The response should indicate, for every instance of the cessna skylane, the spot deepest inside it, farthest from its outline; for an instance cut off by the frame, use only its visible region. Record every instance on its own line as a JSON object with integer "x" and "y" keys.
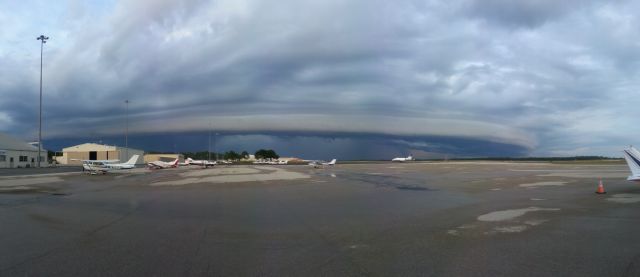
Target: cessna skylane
{"x": 103, "y": 166}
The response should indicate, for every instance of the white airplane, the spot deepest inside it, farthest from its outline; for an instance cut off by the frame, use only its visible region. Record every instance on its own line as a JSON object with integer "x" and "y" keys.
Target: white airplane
{"x": 103, "y": 166}
{"x": 318, "y": 164}
{"x": 633, "y": 161}
{"x": 162, "y": 165}
{"x": 94, "y": 167}
{"x": 131, "y": 163}
{"x": 204, "y": 163}
{"x": 410, "y": 158}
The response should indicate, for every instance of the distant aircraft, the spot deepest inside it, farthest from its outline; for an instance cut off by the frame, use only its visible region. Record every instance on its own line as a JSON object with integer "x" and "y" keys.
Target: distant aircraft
{"x": 319, "y": 164}
{"x": 633, "y": 160}
{"x": 162, "y": 165}
{"x": 204, "y": 163}
{"x": 103, "y": 166}
{"x": 410, "y": 158}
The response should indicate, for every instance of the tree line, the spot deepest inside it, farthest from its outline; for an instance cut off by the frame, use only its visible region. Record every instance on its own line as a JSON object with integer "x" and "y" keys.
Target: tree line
{"x": 232, "y": 155}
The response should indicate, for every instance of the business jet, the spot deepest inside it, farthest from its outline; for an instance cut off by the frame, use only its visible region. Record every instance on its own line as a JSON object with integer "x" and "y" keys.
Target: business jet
{"x": 410, "y": 158}
{"x": 632, "y": 156}
{"x": 162, "y": 165}
{"x": 318, "y": 164}
{"x": 205, "y": 163}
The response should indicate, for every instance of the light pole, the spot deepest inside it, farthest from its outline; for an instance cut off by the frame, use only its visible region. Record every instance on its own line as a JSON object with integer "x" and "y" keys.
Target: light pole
{"x": 214, "y": 146}
{"x": 126, "y": 130}
{"x": 209, "y": 148}
{"x": 42, "y": 40}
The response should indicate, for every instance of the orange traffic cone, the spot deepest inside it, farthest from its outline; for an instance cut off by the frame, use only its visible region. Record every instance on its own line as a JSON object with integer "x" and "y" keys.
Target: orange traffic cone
{"x": 600, "y": 189}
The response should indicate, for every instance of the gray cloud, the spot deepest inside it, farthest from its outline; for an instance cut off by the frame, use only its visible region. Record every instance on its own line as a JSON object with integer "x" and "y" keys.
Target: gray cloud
{"x": 524, "y": 13}
{"x": 550, "y": 77}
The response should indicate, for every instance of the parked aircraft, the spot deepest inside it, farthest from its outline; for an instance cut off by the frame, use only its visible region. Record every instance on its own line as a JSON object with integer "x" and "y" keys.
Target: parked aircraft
{"x": 205, "y": 163}
{"x": 131, "y": 163}
{"x": 319, "y": 164}
{"x": 632, "y": 156}
{"x": 94, "y": 167}
{"x": 103, "y": 166}
{"x": 410, "y": 158}
{"x": 162, "y": 165}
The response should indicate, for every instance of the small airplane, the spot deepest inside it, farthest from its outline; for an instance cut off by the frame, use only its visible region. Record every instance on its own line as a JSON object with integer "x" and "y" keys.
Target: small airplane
{"x": 131, "y": 163}
{"x": 410, "y": 158}
{"x": 319, "y": 164}
{"x": 94, "y": 167}
{"x": 632, "y": 156}
{"x": 205, "y": 163}
{"x": 103, "y": 166}
{"x": 162, "y": 165}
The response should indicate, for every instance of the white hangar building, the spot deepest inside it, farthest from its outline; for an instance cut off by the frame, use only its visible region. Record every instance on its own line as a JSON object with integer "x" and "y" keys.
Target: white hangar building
{"x": 17, "y": 153}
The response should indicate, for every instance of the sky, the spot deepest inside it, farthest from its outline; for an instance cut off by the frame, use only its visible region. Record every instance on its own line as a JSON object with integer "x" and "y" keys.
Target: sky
{"x": 355, "y": 79}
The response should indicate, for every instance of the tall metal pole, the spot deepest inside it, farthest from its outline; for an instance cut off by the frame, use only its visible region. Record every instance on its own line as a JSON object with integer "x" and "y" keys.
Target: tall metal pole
{"x": 126, "y": 130}
{"x": 43, "y": 40}
{"x": 215, "y": 142}
{"x": 209, "y": 149}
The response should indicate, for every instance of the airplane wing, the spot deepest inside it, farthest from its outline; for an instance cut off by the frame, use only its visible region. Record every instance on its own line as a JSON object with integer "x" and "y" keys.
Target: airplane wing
{"x": 107, "y": 161}
{"x": 633, "y": 161}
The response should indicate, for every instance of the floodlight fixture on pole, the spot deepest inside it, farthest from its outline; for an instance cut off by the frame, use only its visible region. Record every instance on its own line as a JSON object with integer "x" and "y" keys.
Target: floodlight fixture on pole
{"x": 43, "y": 39}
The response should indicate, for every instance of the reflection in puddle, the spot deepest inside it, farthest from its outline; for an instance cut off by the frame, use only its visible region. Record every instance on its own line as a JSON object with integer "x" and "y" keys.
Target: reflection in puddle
{"x": 411, "y": 188}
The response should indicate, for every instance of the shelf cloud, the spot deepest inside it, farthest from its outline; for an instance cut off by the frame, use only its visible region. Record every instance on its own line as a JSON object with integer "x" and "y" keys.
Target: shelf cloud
{"x": 545, "y": 77}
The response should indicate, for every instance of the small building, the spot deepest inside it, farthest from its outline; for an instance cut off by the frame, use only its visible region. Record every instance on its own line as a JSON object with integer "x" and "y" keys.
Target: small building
{"x": 74, "y": 155}
{"x": 163, "y": 157}
{"x": 16, "y": 153}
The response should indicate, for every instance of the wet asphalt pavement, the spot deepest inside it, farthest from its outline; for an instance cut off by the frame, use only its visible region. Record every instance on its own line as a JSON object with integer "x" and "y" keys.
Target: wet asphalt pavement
{"x": 378, "y": 220}
{"x": 43, "y": 170}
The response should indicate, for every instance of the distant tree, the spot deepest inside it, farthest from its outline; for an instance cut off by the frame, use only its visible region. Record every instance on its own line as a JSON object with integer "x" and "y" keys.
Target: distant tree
{"x": 260, "y": 154}
{"x": 272, "y": 154}
{"x": 231, "y": 155}
{"x": 244, "y": 155}
{"x": 266, "y": 154}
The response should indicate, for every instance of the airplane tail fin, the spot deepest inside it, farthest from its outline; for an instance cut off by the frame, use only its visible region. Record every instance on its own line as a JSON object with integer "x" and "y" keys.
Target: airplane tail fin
{"x": 632, "y": 156}
{"x": 175, "y": 163}
{"x": 332, "y": 162}
{"x": 133, "y": 160}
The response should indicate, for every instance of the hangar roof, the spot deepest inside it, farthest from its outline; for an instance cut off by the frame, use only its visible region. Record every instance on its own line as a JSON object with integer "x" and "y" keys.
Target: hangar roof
{"x": 86, "y": 147}
{"x": 8, "y": 142}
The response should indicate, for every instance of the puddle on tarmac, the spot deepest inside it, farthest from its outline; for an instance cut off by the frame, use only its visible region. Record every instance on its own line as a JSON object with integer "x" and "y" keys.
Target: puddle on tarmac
{"x": 511, "y": 214}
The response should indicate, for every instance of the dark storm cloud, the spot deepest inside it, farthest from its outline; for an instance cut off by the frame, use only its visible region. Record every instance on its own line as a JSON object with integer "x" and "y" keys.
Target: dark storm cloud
{"x": 543, "y": 76}
{"x": 309, "y": 146}
{"x": 523, "y": 13}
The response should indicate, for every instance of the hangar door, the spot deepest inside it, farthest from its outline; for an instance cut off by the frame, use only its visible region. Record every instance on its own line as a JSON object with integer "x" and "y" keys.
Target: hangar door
{"x": 93, "y": 155}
